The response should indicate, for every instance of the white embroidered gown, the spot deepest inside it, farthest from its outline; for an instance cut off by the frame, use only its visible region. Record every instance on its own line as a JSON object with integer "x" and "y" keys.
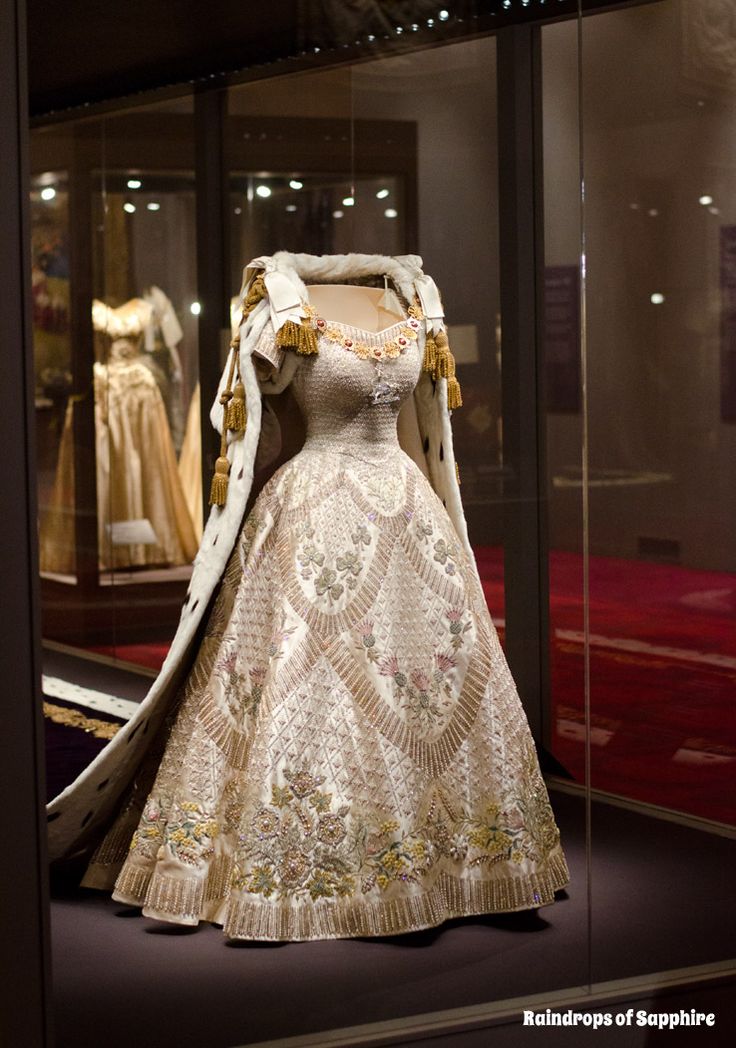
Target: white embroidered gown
{"x": 349, "y": 756}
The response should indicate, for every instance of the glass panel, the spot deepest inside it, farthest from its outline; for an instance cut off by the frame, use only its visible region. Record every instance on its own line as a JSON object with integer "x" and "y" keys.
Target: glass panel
{"x": 563, "y": 398}
{"x": 144, "y": 280}
{"x": 53, "y": 361}
{"x": 115, "y": 336}
{"x": 663, "y": 438}
{"x": 563, "y": 413}
{"x": 658, "y": 96}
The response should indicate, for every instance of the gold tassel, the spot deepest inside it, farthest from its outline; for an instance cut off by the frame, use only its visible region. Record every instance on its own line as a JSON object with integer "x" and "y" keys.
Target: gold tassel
{"x": 233, "y": 400}
{"x": 218, "y": 491}
{"x": 302, "y": 338}
{"x": 454, "y": 395}
{"x": 457, "y": 474}
{"x": 443, "y": 367}
{"x": 440, "y": 363}
{"x": 307, "y": 340}
{"x": 430, "y": 354}
{"x": 236, "y": 414}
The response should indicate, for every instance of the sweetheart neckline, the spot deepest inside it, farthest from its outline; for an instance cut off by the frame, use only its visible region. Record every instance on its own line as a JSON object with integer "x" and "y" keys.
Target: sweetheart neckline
{"x": 362, "y": 331}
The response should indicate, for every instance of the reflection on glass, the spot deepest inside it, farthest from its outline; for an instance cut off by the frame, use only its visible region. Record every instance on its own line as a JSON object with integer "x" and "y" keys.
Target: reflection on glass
{"x": 661, "y": 225}
{"x": 52, "y": 360}
{"x": 316, "y": 213}
{"x": 117, "y": 378}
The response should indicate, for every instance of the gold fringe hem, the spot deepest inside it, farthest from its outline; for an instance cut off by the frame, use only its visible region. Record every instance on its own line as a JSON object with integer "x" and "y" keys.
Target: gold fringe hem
{"x": 132, "y": 884}
{"x": 186, "y": 899}
{"x": 449, "y": 897}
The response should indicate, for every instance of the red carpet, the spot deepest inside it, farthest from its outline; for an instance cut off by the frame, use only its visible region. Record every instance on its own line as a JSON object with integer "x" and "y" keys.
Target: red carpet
{"x": 663, "y": 676}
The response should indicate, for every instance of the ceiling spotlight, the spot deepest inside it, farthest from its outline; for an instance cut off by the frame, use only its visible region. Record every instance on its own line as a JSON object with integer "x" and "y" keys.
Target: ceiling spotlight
{"x": 263, "y": 191}
{"x": 714, "y": 210}
{"x": 348, "y": 201}
{"x": 443, "y": 15}
{"x": 382, "y": 194}
{"x": 657, "y": 298}
{"x": 337, "y": 214}
{"x": 48, "y": 193}
{"x": 238, "y": 210}
{"x": 294, "y": 183}
{"x": 705, "y": 200}
{"x": 153, "y": 205}
{"x": 390, "y": 212}
{"x": 291, "y": 208}
{"x": 195, "y": 309}
{"x": 127, "y": 206}
{"x": 652, "y": 212}
{"x": 134, "y": 183}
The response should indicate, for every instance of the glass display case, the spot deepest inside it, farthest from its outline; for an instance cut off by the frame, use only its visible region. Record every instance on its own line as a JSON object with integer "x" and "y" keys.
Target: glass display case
{"x": 574, "y": 204}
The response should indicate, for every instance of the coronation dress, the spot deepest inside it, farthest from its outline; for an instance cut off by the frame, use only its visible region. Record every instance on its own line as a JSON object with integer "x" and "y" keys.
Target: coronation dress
{"x": 348, "y": 755}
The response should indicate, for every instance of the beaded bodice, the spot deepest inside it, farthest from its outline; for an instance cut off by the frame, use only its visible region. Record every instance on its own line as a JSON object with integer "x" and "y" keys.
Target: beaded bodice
{"x": 351, "y": 402}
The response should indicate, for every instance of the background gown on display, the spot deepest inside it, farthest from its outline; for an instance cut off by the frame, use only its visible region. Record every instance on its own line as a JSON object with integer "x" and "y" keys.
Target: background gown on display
{"x": 138, "y": 481}
{"x": 343, "y": 751}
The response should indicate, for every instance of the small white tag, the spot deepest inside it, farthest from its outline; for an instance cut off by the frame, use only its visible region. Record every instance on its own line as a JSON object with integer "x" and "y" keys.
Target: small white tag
{"x": 132, "y": 533}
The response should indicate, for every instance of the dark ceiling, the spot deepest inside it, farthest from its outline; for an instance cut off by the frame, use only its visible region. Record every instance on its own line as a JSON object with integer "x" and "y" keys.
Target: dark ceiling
{"x": 86, "y": 51}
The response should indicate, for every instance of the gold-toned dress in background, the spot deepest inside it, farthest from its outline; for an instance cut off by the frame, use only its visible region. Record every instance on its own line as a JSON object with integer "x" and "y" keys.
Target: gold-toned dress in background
{"x": 137, "y": 473}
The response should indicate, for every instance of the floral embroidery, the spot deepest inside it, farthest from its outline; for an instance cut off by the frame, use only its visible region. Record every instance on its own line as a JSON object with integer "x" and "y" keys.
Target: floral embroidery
{"x": 331, "y": 578}
{"x": 304, "y": 844}
{"x": 361, "y": 536}
{"x": 368, "y": 639}
{"x": 300, "y": 847}
{"x": 445, "y": 554}
{"x": 310, "y": 556}
{"x": 244, "y": 691}
{"x": 188, "y": 832}
{"x": 424, "y": 529}
{"x": 403, "y": 333}
{"x": 426, "y": 696}
{"x": 148, "y": 837}
{"x": 349, "y": 566}
{"x": 326, "y": 582}
{"x": 457, "y": 627}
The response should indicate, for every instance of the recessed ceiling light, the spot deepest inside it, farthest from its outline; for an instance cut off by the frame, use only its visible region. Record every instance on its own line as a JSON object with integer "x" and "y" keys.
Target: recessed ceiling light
{"x": 390, "y": 212}
{"x": 195, "y": 309}
{"x": 153, "y": 205}
{"x": 263, "y": 191}
{"x": 48, "y": 193}
{"x": 296, "y": 184}
{"x": 127, "y": 206}
{"x": 134, "y": 183}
